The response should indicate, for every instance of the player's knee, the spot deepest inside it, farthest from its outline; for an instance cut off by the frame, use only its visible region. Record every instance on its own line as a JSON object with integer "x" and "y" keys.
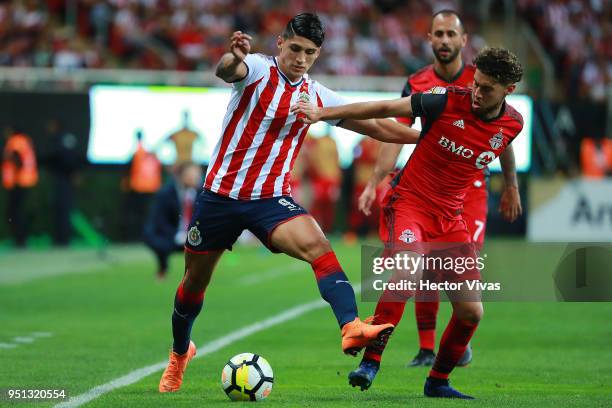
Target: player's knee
{"x": 198, "y": 271}
{"x": 472, "y": 313}
{"x": 194, "y": 283}
{"x": 315, "y": 247}
{"x": 195, "y": 280}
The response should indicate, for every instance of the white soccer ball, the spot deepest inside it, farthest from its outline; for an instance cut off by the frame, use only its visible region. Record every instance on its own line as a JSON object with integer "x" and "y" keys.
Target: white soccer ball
{"x": 247, "y": 377}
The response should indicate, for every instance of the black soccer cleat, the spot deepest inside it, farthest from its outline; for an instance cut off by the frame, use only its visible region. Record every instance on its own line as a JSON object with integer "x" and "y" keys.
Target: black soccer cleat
{"x": 466, "y": 358}
{"x": 424, "y": 358}
{"x": 364, "y": 375}
{"x": 438, "y": 388}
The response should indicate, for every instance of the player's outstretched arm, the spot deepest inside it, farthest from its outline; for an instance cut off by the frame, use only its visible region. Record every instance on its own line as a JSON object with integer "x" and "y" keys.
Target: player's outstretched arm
{"x": 385, "y": 163}
{"x": 362, "y": 110}
{"x": 510, "y": 203}
{"x": 231, "y": 66}
{"x": 384, "y": 130}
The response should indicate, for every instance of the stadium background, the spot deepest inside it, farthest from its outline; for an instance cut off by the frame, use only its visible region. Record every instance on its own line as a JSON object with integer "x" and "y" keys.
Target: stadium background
{"x": 52, "y": 52}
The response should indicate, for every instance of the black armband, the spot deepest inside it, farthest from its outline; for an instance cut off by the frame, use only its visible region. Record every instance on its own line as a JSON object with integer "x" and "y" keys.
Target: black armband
{"x": 428, "y": 105}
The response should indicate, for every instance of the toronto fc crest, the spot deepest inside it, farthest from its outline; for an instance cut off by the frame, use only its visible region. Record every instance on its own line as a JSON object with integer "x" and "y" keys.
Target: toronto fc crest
{"x": 407, "y": 236}
{"x": 497, "y": 140}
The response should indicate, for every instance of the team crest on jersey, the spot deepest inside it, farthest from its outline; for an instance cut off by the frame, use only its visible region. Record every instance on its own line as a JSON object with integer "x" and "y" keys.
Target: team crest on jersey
{"x": 497, "y": 140}
{"x": 304, "y": 97}
{"x": 407, "y": 236}
{"x": 437, "y": 90}
{"x": 194, "y": 237}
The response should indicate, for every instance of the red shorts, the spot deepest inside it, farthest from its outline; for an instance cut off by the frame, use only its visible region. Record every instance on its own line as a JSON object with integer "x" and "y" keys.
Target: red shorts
{"x": 404, "y": 220}
{"x": 475, "y": 209}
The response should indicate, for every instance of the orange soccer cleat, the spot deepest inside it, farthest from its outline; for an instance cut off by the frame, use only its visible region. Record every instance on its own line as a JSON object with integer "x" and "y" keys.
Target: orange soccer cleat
{"x": 359, "y": 334}
{"x": 172, "y": 378}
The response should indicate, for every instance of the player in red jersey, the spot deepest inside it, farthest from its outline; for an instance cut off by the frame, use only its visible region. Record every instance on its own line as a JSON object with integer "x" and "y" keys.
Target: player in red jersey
{"x": 447, "y": 39}
{"x": 247, "y": 185}
{"x": 425, "y": 203}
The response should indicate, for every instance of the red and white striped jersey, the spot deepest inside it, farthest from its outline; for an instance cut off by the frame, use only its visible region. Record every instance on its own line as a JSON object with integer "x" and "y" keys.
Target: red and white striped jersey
{"x": 260, "y": 138}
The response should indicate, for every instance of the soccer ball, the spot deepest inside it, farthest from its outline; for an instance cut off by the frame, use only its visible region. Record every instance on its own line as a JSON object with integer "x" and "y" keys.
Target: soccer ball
{"x": 247, "y": 377}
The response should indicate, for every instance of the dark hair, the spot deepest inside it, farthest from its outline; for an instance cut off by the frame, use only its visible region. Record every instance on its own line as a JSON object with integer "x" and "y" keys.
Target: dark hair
{"x": 306, "y": 25}
{"x": 446, "y": 13}
{"x": 500, "y": 64}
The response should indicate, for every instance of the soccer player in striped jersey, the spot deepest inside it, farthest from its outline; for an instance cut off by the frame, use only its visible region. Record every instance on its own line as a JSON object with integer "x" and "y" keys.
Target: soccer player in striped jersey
{"x": 424, "y": 205}
{"x": 247, "y": 184}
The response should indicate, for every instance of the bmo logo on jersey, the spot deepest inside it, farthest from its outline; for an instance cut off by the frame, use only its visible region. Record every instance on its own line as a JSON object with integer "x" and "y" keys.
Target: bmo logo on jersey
{"x": 451, "y": 146}
{"x": 482, "y": 160}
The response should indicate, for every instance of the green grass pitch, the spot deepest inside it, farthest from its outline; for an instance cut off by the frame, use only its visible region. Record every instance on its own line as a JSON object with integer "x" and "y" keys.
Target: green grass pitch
{"x": 106, "y": 316}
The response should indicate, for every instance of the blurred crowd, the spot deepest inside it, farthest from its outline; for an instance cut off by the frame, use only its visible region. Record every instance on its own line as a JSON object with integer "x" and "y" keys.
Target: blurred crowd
{"x": 363, "y": 36}
{"x": 578, "y": 36}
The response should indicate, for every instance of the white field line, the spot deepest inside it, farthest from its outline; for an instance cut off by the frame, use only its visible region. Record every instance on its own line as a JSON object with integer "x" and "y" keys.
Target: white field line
{"x": 7, "y": 345}
{"x": 209, "y": 348}
{"x": 22, "y": 340}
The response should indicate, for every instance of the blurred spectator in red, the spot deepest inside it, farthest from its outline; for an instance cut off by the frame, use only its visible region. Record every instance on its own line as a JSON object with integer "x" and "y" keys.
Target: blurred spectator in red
{"x": 191, "y": 45}
{"x": 365, "y": 155}
{"x": 19, "y": 176}
{"x": 596, "y": 157}
{"x": 145, "y": 179}
{"x": 323, "y": 170}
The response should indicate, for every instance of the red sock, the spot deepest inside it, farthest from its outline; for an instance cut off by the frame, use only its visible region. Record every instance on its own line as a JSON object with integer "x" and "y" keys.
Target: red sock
{"x": 187, "y": 306}
{"x": 452, "y": 346}
{"x": 426, "y": 314}
{"x": 184, "y": 296}
{"x": 386, "y": 312}
{"x": 335, "y": 288}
